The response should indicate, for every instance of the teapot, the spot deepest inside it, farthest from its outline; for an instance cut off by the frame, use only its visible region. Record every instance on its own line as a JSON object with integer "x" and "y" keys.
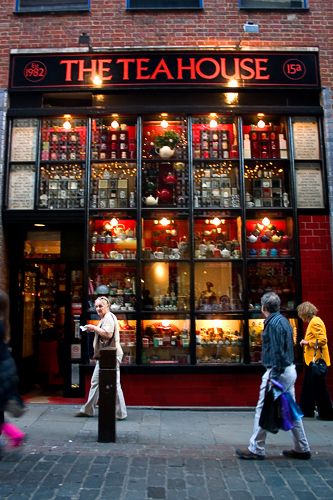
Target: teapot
{"x": 165, "y": 194}
{"x": 150, "y": 200}
{"x": 170, "y": 178}
{"x": 165, "y": 152}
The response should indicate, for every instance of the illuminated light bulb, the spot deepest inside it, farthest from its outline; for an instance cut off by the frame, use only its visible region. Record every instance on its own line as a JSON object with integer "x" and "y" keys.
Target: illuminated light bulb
{"x": 164, "y": 124}
{"x": 164, "y": 221}
{"x": 207, "y": 221}
{"x": 266, "y": 221}
{"x": 115, "y": 124}
{"x": 114, "y": 222}
{"x": 261, "y": 123}
{"x": 165, "y": 322}
{"x": 155, "y": 222}
{"x": 213, "y": 123}
{"x": 216, "y": 221}
{"x": 97, "y": 80}
{"x": 222, "y": 221}
{"x": 67, "y": 124}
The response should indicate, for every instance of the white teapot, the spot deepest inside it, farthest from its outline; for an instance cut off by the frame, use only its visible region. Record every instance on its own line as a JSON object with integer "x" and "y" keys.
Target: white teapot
{"x": 165, "y": 152}
{"x": 150, "y": 200}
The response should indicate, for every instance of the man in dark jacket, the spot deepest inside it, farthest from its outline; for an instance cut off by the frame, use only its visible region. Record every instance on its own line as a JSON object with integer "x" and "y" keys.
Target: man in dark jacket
{"x": 278, "y": 359}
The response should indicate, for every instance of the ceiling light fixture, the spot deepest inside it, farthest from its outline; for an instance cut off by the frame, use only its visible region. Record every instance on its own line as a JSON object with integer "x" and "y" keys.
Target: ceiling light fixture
{"x": 261, "y": 123}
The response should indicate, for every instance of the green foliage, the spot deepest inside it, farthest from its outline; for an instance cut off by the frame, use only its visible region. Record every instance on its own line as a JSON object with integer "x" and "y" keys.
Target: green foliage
{"x": 169, "y": 138}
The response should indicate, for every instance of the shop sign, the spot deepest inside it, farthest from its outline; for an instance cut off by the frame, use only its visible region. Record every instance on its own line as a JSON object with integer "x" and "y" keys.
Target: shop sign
{"x": 161, "y": 70}
{"x": 309, "y": 186}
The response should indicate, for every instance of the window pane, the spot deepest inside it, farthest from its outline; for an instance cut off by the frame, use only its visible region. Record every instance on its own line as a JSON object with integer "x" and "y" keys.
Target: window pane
{"x": 164, "y": 4}
{"x": 166, "y": 341}
{"x": 273, "y": 4}
{"x": 51, "y": 5}
{"x": 219, "y": 341}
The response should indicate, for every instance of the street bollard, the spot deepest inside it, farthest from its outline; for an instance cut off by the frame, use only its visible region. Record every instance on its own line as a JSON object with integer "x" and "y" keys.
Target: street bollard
{"x": 107, "y": 395}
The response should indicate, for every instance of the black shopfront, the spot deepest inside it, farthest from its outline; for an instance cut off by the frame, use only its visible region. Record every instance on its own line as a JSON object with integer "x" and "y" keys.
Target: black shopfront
{"x": 169, "y": 182}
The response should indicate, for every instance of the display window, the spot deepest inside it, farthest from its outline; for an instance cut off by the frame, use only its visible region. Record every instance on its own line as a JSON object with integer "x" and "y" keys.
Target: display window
{"x": 219, "y": 341}
{"x": 217, "y": 237}
{"x": 165, "y": 237}
{"x": 218, "y": 286}
{"x": 216, "y": 173}
{"x": 256, "y": 327}
{"x": 117, "y": 281}
{"x": 270, "y": 237}
{"x": 62, "y": 163}
{"x": 166, "y": 286}
{"x": 166, "y": 341}
{"x": 112, "y": 237}
{"x": 269, "y": 275}
{"x": 165, "y": 162}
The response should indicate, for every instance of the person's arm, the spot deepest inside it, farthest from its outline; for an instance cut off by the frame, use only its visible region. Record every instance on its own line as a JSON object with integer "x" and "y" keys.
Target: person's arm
{"x": 319, "y": 332}
{"x": 105, "y": 331}
{"x": 280, "y": 349}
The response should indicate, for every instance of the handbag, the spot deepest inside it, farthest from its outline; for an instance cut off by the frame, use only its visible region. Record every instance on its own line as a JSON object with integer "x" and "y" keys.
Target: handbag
{"x": 270, "y": 416}
{"x": 318, "y": 366}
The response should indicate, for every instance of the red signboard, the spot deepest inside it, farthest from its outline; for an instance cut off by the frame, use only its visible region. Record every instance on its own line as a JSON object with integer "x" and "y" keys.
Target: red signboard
{"x": 164, "y": 69}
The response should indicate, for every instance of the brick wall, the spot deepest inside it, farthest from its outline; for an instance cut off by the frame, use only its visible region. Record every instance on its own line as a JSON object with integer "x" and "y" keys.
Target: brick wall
{"x": 316, "y": 269}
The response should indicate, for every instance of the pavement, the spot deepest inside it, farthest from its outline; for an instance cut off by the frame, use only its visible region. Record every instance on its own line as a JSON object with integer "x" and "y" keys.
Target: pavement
{"x": 172, "y": 454}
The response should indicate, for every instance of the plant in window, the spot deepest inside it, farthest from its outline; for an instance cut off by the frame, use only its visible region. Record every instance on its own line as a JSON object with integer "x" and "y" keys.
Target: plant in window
{"x": 166, "y": 143}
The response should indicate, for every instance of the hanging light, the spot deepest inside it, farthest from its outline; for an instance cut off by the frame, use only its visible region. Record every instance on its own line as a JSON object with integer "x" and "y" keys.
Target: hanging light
{"x": 114, "y": 222}
{"x": 164, "y": 221}
{"x": 67, "y": 124}
{"x": 261, "y": 123}
{"x": 213, "y": 122}
{"x": 164, "y": 123}
{"x": 216, "y": 221}
{"x": 115, "y": 123}
{"x": 266, "y": 221}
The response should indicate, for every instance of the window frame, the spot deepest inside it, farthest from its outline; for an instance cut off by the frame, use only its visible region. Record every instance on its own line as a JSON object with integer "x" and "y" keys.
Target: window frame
{"x": 199, "y": 6}
{"x": 46, "y": 7}
{"x": 304, "y": 7}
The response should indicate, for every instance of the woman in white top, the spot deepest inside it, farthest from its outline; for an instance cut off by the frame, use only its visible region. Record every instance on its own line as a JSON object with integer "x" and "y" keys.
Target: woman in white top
{"x": 104, "y": 331}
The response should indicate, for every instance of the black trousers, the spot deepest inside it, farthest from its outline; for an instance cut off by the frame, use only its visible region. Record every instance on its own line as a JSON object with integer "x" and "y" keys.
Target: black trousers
{"x": 315, "y": 394}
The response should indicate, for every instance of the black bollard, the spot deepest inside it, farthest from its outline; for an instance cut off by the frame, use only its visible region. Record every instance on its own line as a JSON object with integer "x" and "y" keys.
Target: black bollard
{"x": 107, "y": 395}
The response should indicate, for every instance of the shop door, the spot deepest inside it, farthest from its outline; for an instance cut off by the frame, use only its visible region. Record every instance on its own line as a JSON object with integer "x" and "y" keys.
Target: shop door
{"x": 46, "y": 299}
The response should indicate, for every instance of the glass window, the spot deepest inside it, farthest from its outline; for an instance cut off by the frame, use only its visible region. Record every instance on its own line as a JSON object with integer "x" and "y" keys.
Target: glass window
{"x": 218, "y": 286}
{"x": 164, "y": 4}
{"x": 165, "y": 166}
{"x": 273, "y": 4}
{"x": 256, "y": 327}
{"x": 115, "y": 280}
{"x": 62, "y": 166}
{"x": 270, "y": 237}
{"x": 166, "y": 286}
{"x": 271, "y": 275}
{"x": 52, "y": 5}
{"x": 166, "y": 341}
{"x": 112, "y": 237}
{"x": 219, "y": 341}
{"x": 165, "y": 237}
{"x": 42, "y": 244}
{"x": 216, "y": 173}
{"x": 217, "y": 237}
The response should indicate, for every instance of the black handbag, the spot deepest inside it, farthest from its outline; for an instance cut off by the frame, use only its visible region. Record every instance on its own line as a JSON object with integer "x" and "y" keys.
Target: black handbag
{"x": 318, "y": 366}
{"x": 270, "y": 417}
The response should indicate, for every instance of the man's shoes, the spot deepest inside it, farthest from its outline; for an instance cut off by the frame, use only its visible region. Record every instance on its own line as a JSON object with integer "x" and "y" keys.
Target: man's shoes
{"x": 82, "y": 414}
{"x": 248, "y": 455}
{"x": 300, "y": 455}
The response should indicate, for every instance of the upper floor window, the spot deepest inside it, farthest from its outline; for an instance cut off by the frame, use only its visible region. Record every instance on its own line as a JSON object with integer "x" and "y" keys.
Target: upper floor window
{"x": 163, "y": 4}
{"x": 273, "y": 4}
{"x": 52, "y": 5}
